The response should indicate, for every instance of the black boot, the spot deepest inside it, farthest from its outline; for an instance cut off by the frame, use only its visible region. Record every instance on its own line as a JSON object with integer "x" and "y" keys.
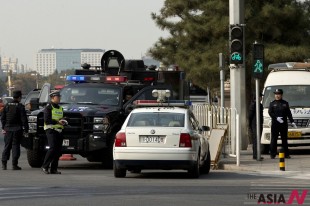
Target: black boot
{"x": 15, "y": 165}
{"x": 4, "y": 165}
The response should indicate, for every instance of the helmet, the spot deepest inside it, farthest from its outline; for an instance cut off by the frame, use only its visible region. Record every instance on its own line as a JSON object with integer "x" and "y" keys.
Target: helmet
{"x": 55, "y": 93}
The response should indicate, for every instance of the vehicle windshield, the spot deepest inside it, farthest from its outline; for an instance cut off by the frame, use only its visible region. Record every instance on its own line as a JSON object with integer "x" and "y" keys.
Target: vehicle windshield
{"x": 295, "y": 95}
{"x": 91, "y": 95}
{"x": 159, "y": 119}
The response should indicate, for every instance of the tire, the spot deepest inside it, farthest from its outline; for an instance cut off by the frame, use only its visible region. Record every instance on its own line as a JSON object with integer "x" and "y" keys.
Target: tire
{"x": 205, "y": 169}
{"x": 95, "y": 157}
{"x": 194, "y": 172}
{"x": 35, "y": 158}
{"x": 264, "y": 148}
{"x": 136, "y": 171}
{"x": 119, "y": 172}
{"x": 107, "y": 161}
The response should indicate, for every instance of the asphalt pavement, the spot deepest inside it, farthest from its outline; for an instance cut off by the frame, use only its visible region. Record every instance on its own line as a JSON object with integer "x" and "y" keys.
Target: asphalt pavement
{"x": 299, "y": 161}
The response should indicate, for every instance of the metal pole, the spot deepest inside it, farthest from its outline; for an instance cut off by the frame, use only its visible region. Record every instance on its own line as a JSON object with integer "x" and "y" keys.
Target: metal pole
{"x": 237, "y": 140}
{"x": 257, "y": 118}
{"x": 222, "y": 74}
{"x": 237, "y": 77}
{"x": 222, "y": 78}
{"x": 37, "y": 80}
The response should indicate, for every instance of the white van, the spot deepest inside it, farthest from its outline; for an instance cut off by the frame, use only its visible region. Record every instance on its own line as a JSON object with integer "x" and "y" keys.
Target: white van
{"x": 294, "y": 79}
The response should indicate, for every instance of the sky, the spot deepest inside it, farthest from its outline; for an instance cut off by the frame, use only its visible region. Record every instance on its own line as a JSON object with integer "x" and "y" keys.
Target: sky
{"x": 124, "y": 25}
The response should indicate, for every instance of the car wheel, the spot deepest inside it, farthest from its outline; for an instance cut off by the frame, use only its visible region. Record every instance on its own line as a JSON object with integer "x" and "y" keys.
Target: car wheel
{"x": 107, "y": 161}
{"x": 136, "y": 171}
{"x": 205, "y": 169}
{"x": 35, "y": 158}
{"x": 118, "y": 172}
{"x": 194, "y": 171}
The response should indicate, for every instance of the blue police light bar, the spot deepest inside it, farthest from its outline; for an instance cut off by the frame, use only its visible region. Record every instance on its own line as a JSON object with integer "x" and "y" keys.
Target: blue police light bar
{"x": 76, "y": 78}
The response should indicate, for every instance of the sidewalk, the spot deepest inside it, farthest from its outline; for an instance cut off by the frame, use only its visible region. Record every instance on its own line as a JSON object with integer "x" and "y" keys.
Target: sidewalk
{"x": 300, "y": 161}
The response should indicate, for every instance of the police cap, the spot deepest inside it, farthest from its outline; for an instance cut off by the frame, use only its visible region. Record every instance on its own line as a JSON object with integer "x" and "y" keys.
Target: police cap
{"x": 278, "y": 91}
{"x": 17, "y": 94}
{"x": 55, "y": 93}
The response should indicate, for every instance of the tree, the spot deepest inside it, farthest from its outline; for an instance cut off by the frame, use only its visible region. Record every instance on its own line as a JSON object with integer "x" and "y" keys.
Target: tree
{"x": 199, "y": 31}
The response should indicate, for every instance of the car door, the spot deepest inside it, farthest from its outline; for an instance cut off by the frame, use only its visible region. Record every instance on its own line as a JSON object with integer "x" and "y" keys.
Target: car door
{"x": 44, "y": 96}
{"x": 197, "y": 132}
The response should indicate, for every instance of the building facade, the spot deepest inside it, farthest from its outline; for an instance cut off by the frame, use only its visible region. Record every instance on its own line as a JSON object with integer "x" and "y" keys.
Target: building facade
{"x": 47, "y": 61}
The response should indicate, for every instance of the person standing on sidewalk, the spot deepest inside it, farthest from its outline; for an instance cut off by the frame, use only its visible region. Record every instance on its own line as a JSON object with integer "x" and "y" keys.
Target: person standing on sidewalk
{"x": 53, "y": 126}
{"x": 253, "y": 125}
{"x": 14, "y": 124}
{"x": 279, "y": 111}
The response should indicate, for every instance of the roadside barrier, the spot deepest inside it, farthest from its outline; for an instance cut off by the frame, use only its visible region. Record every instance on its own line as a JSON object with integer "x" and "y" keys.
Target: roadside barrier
{"x": 67, "y": 157}
{"x": 281, "y": 160}
{"x": 220, "y": 117}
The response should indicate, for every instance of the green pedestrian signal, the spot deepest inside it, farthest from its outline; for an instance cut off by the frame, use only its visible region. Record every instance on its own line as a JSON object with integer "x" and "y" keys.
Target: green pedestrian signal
{"x": 258, "y": 61}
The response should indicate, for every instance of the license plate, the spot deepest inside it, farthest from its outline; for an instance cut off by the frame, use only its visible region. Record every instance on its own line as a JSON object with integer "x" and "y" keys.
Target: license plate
{"x": 65, "y": 142}
{"x": 151, "y": 139}
{"x": 294, "y": 134}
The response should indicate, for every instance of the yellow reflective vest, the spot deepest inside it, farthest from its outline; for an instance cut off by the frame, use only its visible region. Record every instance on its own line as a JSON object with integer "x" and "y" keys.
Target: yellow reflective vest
{"x": 57, "y": 114}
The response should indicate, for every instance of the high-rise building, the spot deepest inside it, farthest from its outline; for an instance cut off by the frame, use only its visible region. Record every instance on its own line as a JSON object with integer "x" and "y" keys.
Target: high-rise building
{"x": 8, "y": 63}
{"x": 50, "y": 60}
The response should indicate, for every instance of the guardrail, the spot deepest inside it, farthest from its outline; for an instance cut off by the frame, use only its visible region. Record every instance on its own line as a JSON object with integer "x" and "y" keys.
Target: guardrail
{"x": 218, "y": 117}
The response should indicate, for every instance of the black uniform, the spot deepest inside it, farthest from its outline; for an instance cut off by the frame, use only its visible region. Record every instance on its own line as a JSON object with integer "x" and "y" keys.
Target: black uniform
{"x": 252, "y": 124}
{"x": 14, "y": 123}
{"x": 279, "y": 108}
{"x": 54, "y": 139}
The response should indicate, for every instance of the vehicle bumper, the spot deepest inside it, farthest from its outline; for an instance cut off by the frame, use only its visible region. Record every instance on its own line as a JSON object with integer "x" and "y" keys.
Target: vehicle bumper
{"x": 151, "y": 158}
{"x": 293, "y": 141}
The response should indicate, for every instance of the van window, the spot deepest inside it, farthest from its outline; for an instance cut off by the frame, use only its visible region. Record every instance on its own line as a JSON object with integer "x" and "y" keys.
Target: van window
{"x": 295, "y": 95}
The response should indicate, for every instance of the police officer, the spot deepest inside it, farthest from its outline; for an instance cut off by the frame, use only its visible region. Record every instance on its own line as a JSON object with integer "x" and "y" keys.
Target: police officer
{"x": 252, "y": 124}
{"x": 279, "y": 111}
{"x": 14, "y": 123}
{"x": 53, "y": 126}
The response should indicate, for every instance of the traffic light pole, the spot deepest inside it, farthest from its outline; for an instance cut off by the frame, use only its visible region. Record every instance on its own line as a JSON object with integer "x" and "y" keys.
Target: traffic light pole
{"x": 237, "y": 87}
{"x": 258, "y": 127}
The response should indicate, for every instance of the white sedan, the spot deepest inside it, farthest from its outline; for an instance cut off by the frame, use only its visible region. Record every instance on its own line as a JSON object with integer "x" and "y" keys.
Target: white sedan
{"x": 165, "y": 137}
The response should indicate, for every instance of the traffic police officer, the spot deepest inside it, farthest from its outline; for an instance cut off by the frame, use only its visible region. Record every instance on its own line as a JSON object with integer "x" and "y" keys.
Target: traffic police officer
{"x": 279, "y": 111}
{"x": 14, "y": 123}
{"x": 53, "y": 126}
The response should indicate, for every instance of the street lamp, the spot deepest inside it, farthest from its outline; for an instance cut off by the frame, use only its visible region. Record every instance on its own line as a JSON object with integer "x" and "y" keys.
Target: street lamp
{"x": 64, "y": 77}
{"x": 37, "y": 79}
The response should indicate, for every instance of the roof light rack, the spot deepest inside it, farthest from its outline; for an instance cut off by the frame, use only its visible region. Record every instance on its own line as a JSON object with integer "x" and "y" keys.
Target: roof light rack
{"x": 155, "y": 103}
{"x": 290, "y": 66}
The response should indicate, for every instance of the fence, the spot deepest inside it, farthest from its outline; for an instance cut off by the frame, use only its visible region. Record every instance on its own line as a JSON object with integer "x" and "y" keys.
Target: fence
{"x": 214, "y": 116}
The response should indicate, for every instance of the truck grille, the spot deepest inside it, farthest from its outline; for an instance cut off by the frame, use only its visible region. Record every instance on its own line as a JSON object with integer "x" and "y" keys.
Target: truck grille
{"x": 301, "y": 122}
{"x": 78, "y": 127}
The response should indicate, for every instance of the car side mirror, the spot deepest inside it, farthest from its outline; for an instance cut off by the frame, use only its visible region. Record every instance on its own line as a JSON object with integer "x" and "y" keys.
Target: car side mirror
{"x": 205, "y": 128}
{"x": 129, "y": 108}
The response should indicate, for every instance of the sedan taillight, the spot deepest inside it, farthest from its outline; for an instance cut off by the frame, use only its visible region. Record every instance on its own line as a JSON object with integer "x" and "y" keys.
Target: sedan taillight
{"x": 120, "y": 139}
{"x": 185, "y": 140}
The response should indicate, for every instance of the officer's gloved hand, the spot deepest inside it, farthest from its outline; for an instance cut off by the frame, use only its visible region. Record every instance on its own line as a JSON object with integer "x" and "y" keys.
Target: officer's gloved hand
{"x": 280, "y": 120}
{"x": 63, "y": 122}
{"x": 294, "y": 125}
